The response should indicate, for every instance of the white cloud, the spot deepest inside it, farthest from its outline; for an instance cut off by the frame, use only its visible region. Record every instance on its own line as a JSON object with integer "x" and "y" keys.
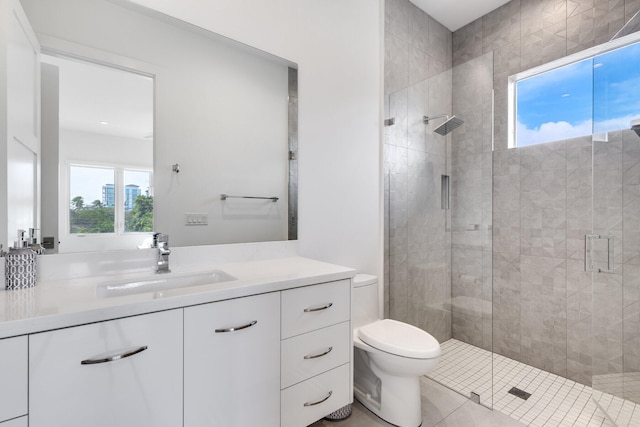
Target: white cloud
{"x": 557, "y": 131}
{"x": 616, "y": 123}
{"x": 552, "y": 131}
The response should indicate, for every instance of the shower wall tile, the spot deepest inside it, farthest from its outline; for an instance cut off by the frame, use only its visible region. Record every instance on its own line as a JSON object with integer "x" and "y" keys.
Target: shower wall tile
{"x": 543, "y": 313}
{"x": 419, "y": 65}
{"x": 419, "y": 26}
{"x": 429, "y": 292}
{"x": 506, "y": 305}
{"x": 579, "y": 310}
{"x": 467, "y": 42}
{"x": 396, "y": 19}
{"x": 418, "y": 100}
{"x": 501, "y": 26}
{"x": 467, "y": 302}
{"x": 631, "y": 7}
{"x": 396, "y": 134}
{"x": 607, "y": 325}
{"x": 543, "y": 200}
{"x": 579, "y": 198}
{"x": 580, "y": 31}
{"x": 439, "y": 103}
{"x": 609, "y": 18}
{"x": 440, "y": 42}
{"x": 576, "y": 7}
{"x": 396, "y": 63}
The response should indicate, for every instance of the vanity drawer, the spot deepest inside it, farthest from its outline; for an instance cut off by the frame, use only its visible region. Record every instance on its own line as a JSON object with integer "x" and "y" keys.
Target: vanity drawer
{"x": 314, "y": 307}
{"x": 102, "y": 375}
{"x": 313, "y": 353}
{"x": 13, "y": 377}
{"x": 315, "y": 398}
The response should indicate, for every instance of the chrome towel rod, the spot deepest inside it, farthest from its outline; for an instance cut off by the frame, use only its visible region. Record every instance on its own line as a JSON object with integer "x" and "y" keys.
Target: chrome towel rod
{"x": 226, "y": 196}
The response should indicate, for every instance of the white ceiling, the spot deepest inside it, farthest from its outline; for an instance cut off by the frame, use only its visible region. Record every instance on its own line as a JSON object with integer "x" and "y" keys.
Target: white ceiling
{"x": 92, "y": 93}
{"x": 455, "y": 14}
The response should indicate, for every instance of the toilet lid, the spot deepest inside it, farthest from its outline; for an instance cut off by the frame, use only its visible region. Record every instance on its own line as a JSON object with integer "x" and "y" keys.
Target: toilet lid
{"x": 399, "y": 338}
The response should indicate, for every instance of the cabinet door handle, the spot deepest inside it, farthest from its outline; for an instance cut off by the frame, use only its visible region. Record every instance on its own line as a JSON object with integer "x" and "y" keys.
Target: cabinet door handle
{"x": 237, "y": 328}
{"x": 114, "y": 357}
{"x": 319, "y": 401}
{"x": 324, "y": 307}
{"x": 315, "y": 356}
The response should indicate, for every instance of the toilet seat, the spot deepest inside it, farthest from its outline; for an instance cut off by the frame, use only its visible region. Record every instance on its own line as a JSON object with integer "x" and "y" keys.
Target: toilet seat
{"x": 400, "y": 339}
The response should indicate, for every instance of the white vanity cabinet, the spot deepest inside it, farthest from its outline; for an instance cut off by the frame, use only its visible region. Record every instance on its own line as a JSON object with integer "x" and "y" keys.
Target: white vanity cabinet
{"x": 13, "y": 379}
{"x": 125, "y": 373}
{"x": 316, "y": 351}
{"x": 232, "y": 363}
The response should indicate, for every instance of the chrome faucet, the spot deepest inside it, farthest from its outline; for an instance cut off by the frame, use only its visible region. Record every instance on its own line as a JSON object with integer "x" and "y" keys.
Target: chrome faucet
{"x": 161, "y": 242}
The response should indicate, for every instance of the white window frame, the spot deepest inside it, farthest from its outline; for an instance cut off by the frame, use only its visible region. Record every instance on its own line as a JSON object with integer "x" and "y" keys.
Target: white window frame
{"x": 567, "y": 60}
{"x": 72, "y": 242}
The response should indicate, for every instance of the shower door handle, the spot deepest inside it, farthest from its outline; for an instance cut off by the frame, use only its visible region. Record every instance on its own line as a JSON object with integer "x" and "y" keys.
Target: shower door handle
{"x": 598, "y": 257}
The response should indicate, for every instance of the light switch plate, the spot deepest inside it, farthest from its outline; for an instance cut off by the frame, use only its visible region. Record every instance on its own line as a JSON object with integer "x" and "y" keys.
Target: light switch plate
{"x": 196, "y": 219}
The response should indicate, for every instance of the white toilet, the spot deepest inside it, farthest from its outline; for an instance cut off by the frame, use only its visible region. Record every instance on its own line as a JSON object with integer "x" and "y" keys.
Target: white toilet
{"x": 389, "y": 358}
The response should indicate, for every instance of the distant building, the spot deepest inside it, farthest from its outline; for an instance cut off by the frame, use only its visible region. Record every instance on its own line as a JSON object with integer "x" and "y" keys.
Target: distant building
{"x": 131, "y": 191}
{"x": 108, "y": 195}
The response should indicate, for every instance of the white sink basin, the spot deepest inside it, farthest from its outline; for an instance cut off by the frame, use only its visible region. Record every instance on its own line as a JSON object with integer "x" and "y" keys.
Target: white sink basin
{"x": 162, "y": 282}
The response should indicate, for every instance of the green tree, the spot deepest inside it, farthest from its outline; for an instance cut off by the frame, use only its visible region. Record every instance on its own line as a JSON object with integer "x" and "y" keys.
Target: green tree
{"x": 77, "y": 203}
{"x": 140, "y": 218}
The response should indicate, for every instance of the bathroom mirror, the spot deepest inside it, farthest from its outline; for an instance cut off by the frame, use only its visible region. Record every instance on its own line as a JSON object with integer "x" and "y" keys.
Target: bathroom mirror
{"x": 224, "y": 123}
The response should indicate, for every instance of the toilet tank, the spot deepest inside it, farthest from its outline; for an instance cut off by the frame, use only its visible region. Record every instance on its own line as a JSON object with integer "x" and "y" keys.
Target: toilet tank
{"x": 365, "y": 299}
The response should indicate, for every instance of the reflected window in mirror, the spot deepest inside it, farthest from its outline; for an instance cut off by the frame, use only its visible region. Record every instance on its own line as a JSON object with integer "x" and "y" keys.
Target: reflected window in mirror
{"x": 109, "y": 200}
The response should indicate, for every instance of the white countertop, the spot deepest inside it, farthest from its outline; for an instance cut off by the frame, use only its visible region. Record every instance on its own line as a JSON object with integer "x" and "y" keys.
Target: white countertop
{"x": 62, "y": 303}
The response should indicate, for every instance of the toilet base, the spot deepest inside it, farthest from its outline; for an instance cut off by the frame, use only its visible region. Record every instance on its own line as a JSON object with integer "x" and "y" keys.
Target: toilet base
{"x": 399, "y": 402}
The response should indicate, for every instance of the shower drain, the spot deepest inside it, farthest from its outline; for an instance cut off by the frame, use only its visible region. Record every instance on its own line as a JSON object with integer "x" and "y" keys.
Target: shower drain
{"x": 520, "y": 393}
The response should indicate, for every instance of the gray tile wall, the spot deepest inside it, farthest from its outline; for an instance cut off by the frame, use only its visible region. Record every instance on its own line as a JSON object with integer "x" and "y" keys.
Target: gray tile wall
{"x": 418, "y": 81}
{"x": 471, "y": 206}
{"x": 542, "y": 311}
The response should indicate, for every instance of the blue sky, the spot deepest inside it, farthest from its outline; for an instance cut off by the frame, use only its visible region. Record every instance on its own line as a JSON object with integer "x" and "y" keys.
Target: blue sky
{"x": 591, "y": 96}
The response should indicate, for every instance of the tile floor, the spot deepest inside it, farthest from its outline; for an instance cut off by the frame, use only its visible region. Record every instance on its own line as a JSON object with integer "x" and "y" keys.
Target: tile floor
{"x": 554, "y": 401}
{"x": 441, "y": 407}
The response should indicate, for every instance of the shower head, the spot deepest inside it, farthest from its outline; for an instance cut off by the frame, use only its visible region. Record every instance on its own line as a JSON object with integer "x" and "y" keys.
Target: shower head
{"x": 449, "y": 124}
{"x": 635, "y": 126}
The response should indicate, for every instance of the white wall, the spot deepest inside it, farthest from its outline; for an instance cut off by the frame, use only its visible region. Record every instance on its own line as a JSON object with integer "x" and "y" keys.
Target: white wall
{"x": 337, "y": 45}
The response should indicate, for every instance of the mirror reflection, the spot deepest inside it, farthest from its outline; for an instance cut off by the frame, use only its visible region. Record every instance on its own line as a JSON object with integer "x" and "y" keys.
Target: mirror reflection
{"x": 216, "y": 117}
{"x": 104, "y": 160}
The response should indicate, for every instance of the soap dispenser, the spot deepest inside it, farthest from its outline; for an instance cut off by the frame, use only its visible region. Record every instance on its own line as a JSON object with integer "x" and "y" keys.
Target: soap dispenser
{"x": 20, "y": 265}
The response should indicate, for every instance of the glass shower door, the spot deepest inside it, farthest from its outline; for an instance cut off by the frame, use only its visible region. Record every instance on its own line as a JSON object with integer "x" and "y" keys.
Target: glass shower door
{"x": 613, "y": 257}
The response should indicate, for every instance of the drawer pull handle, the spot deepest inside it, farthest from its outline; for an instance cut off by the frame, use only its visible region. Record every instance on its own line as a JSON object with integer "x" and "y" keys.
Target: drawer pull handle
{"x": 324, "y": 307}
{"x": 319, "y": 401}
{"x": 237, "y": 328}
{"x": 114, "y": 357}
{"x": 315, "y": 356}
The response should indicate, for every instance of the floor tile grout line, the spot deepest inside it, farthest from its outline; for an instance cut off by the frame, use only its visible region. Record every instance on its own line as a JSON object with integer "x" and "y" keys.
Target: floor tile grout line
{"x": 556, "y": 398}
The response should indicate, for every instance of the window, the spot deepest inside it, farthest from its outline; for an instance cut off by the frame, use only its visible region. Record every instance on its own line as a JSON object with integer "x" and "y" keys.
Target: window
{"x": 592, "y": 93}
{"x": 109, "y": 200}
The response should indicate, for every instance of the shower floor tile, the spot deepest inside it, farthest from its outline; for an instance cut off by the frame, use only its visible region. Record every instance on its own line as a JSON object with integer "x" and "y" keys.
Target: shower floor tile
{"x": 554, "y": 400}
